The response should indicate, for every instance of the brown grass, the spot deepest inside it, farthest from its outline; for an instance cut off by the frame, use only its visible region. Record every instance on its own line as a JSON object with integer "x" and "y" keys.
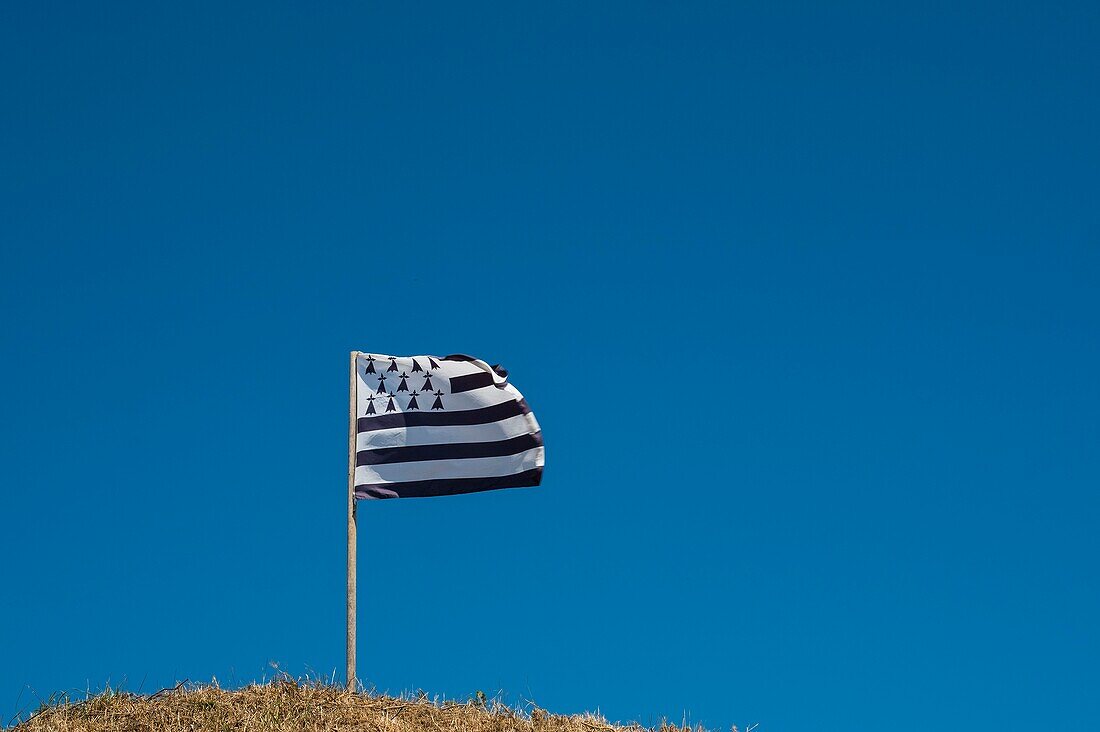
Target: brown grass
{"x": 309, "y": 707}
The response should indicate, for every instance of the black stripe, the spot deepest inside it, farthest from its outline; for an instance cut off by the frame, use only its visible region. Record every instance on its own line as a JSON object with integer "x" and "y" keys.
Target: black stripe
{"x": 495, "y": 413}
{"x": 448, "y": 487}
{"x": 501, "y": 371}
{"x": 451, "y": 451}
{"x": 469, "y": 382}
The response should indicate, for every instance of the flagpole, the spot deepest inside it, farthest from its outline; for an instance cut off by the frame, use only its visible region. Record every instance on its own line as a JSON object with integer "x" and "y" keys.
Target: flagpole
{"x": 351, "y": 524}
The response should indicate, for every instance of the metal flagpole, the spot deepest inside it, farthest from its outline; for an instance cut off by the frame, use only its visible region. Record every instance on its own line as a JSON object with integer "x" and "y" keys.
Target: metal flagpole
{"x": 352, "y": 406}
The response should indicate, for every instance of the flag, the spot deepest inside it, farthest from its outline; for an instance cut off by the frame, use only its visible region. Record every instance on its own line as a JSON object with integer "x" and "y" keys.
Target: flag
{"x": 430, "y": 426}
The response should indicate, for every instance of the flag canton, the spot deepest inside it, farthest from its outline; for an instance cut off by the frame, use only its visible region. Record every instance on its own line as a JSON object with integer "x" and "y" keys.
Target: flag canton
{"x": 397, "y": 384}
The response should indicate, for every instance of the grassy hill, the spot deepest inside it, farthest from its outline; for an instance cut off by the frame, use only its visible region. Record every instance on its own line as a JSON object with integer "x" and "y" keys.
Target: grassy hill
{"x": 288, "y": 705}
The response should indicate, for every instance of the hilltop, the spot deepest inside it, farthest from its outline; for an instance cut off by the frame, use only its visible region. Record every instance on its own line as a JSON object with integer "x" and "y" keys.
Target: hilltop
{"x": 309, "y": 707}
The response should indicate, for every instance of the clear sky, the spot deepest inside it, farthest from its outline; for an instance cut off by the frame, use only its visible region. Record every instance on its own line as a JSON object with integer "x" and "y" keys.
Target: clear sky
{"x": 805, "y": 297}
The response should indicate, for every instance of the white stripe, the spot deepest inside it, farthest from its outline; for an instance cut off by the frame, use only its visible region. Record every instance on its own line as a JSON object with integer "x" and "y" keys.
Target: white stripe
{"x": 521, "y": 424}
{"x": 487, "y": 467}
{"x": 447, "y": 369}
{"x": 461, "y": 402}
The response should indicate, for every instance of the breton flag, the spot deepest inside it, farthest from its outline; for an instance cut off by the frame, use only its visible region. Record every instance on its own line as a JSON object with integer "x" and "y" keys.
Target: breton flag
{"x": 431, "y": 426}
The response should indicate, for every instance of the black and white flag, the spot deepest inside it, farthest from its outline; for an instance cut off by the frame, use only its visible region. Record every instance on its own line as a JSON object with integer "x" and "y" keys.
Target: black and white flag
{"x": 431, "y": 426}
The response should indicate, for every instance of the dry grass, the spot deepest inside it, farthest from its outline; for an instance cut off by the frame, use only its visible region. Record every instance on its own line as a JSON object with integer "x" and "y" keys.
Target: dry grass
{"x": 289, "y": 705}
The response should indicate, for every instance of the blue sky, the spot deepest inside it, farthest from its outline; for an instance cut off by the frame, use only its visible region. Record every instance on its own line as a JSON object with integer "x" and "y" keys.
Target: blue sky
{"x": 805, "y": 298}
